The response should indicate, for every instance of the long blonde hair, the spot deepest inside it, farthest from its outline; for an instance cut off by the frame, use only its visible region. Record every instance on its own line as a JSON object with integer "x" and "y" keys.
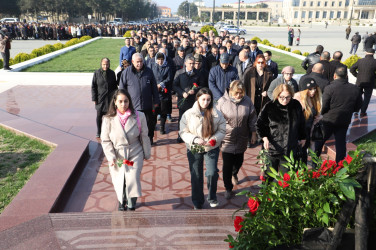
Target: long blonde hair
{"x": 316, "y": 102}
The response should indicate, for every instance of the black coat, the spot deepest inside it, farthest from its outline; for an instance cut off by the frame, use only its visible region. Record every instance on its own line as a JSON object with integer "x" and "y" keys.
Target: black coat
{"x": 273, "y": 67}
{"x": 103, "y": 89}
{"x": 368, "y": 43}
{"x": 320, "y": 80}
{"x": 212, "y": 61}
{"x": 310, "y": 60}
{"x": 178, "y": 62}
{"x": 339, "y": 101}
{"x": 183, "y": 83}
{"x": 327, "y": 69}
{"x": 365, "y": 71}
{"x": 163, "y": 74}
{"x": 284, "y": 126}
{"x": 334, "y": 65}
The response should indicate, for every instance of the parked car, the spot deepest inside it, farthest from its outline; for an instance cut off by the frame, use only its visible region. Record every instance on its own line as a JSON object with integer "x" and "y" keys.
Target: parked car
{"x": 232, "y": 29}
{"x": 10, "y": 20}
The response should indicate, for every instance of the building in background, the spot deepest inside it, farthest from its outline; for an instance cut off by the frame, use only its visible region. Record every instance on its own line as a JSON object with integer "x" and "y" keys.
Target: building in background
{"x": 199, "y": 3}
{"x": 306, "y": 11}
{"x": 274, "y": 5}
{"x": 165, "y": 11}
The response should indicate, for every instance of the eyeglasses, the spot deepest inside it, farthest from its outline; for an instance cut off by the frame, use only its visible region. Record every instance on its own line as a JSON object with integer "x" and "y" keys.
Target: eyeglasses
{"x": 289, "y": 74}
{"x": 284, "y": 98}
{"x": 260, "y": 62}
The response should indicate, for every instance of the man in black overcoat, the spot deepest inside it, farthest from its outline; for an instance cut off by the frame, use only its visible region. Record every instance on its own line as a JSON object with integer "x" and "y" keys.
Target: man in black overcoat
{"x": 103, "y": 87}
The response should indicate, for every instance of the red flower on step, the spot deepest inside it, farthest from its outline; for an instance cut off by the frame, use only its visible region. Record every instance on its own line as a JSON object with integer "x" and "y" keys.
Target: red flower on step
{"x": 262, "y": 178}
{"x": 253, "y": 205}
{"x": 237, "y": 222}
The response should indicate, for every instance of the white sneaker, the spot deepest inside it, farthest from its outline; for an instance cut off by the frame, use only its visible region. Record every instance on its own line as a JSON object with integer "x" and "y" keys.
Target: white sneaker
{"x": 214, "y": 203}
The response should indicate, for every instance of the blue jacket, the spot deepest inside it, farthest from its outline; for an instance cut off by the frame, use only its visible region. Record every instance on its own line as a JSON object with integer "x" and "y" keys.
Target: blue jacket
{"x": 141, "y": 86}
{"x": 219, "y": 80}
{"x": 126, "y": 53}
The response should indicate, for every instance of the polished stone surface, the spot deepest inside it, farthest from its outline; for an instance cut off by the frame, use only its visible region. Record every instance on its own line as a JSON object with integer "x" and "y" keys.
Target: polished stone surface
{"x": 65, "y": 117}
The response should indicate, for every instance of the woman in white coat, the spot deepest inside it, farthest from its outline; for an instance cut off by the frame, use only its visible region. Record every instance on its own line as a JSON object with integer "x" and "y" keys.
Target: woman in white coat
{"x": 204, "y": 127}
{"x": 125, "y": 139}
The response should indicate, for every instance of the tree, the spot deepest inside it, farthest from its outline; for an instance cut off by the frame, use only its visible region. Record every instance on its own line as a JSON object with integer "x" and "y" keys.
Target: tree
{"x": 184, "y": 7}
{"x": 9, "y": 7}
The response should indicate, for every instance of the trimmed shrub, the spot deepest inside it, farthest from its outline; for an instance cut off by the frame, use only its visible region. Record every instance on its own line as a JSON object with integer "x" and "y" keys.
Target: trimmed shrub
{"x": 265, "y": 41}
{"x": 288, "y": 49}
{"x": 1, "y": 63}
{"x": 59, "y": 46}
{"x": 37, "y": 52}
{"x": 48, "y": 48}
{"x": 21, "y": 57}
{"x": 257, "y": 39}
{"x": 127, "y": 33}
{"x": 305, "y": 54}
{"x": 281, "y": 47}
{"x": 297, "y": 52}
{"x": 11, "y": 61}
{"x": 206, "y": 28}
{"x": 351, "y": 60}
{"x": 71, "y": 42}
{"x": 85, "y": 38}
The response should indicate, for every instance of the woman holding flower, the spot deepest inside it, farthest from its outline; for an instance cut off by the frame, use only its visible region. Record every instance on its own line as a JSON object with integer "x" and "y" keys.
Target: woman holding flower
{"x": 240, "y": 116}
{"x": 125, "y": 140}
{"x": 203, "y": 128}
{"x": 281, "y": 125}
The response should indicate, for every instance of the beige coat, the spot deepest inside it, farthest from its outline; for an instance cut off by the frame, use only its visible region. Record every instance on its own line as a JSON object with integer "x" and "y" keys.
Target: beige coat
{"x": 127, "y": 143}
{"x": 191, "y": 127}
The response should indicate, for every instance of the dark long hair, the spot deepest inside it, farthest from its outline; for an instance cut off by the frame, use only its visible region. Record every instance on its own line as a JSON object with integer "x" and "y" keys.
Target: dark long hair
{"x": 207, "y": 126}
{"x": 112, "y": 109}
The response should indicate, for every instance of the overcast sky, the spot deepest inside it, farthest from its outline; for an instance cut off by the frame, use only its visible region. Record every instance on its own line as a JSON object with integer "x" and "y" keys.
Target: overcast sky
{"x": 174, "y": 4}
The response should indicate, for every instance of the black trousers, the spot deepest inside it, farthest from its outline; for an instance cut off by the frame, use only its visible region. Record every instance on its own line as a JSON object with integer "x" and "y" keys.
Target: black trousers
{"x": 340, "y": 140}
{"x": 6, "y": 57}
{"x": 231, "y": 166}
{"x": 367, "y": 94}
{"x": 100, "y": 115}
{"x": 150, "y": 121}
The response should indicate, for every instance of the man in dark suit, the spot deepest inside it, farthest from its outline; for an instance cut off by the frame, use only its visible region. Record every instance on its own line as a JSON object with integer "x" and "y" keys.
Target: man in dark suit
{"x": 212, "y": 58}
{"x": 272, "y": 66}
{"x": 335, "y": 63}
{"x": 231, "y": 51}
{"x": 365, "y": 72}
{"x": 316, "y": 74}
{"x": 339, "y": 101}
{"x": 324, "y": 60}
{"x": 103, "y": 86}
{"x": 179, "y": 59}
{"x": 254, "y": 51}
{"x": 243, "y": 63}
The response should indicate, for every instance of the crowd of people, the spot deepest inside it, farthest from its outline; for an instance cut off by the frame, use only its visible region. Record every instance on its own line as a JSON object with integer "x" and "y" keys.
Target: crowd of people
{"x": 229, "y": 96}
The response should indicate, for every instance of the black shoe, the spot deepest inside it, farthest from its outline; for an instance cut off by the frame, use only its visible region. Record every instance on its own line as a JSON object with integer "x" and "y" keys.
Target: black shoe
{"x": 151, "y": 141}
{"x": 162, "y": 131}
{"x": 132, "y": 209}
{"x": 121, "y": 207}
{"x": 8, "y": 68}
{"x": 363, "y": 115}
{"x": 197, "y": 207}
{"x": 179, "y": 140}
{"x": 249, "y": 145}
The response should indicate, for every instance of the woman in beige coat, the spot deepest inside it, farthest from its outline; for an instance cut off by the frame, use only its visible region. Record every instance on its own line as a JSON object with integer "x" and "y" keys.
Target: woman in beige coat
{"x": 203, "y": 128}
{"x": 125, "y": 139}
{"x": 240, "y": 116}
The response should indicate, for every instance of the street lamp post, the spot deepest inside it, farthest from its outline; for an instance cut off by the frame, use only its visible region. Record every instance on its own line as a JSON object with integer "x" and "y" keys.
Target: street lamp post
{"x": 213, "y": 12}
{"x": 189, "y": 11}
{"x": 238, "y": 17}
{"x": 352, "y": 9}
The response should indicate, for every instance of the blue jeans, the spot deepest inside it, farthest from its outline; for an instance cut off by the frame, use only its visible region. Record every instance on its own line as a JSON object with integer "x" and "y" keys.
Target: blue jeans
{"x": 196, "y": 167}
{"x": 354, "y": 47}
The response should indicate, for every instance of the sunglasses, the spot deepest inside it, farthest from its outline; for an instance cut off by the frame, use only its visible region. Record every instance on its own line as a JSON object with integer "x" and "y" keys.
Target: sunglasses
{"x": 284, "y": 98}
{"x": 260, "y": 62}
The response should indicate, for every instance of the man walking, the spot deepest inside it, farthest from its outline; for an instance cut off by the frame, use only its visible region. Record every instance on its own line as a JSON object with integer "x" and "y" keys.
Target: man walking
{"x": 365, "y": 72}
{"x": 355, "y": 40}
{"x": 139, "y": 81}
{"x": 127, "y": 51}
{"x": 221, "y": 76}
{"x": 339, "y": 101}
{"x": 312, "y": 58}
{"x": 348, "y": 31}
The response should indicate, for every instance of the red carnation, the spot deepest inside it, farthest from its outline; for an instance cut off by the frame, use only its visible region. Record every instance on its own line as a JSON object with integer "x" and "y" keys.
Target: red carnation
{"x": 230, "y": 245}
{"x": 283, "y": 184}
{"x": 286, "y": 177}
{"x": 125, "y": 161}
{"x": 348, "y": 158}
{"x": 253, "y": 205}
{"x": 153, "y": 111}
{"x": 195, "y": 84}
{"x": 130, "y": 163}
{"x": 262, "y": 178}
{"x": 237, "y": 222}
{"x": 165, "y": 90}
{"x": 212, "y": 142}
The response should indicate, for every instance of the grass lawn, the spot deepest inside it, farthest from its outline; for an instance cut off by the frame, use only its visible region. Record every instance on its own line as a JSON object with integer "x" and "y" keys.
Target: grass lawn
{"x": 369, "y": 142}
{"x": 284, "y": 60}
{"x": 20, "y": 157}
{"x": 84, "y": 59}
{"x": 87, "y": 58}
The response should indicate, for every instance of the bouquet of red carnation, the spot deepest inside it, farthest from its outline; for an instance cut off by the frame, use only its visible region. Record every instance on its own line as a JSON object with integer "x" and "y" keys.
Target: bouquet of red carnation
{"x": 212, "y": 142}
{"x": 181, "y": 102}
{"x": 125, "y": 162}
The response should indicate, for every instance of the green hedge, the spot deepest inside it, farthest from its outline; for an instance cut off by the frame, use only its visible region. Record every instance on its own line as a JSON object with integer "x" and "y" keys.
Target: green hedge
{"x": 1, "y": 63}
{"x": 257, "y": 39}
{"x": 305, "y": 54}
{"x": 351, "y": 60}
{"x": 206, "y": 28}
{"x": 21, "y": 57}
{"x": 298, "y": 52}
{"x": 127, "y": 33}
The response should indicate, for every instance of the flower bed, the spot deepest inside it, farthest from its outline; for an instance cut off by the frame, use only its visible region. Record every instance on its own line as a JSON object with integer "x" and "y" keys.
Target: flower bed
{"x": 299, "y": 199}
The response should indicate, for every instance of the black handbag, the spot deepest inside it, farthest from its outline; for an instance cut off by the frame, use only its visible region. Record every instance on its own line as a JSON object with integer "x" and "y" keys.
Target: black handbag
{"x": 317, "y": 132}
